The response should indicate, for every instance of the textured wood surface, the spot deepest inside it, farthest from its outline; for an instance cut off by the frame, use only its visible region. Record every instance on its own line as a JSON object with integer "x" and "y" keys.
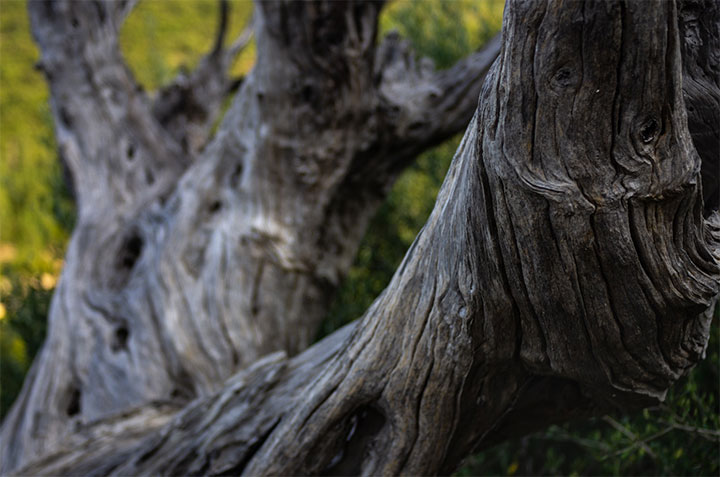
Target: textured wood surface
{"x": 565, "y": 271}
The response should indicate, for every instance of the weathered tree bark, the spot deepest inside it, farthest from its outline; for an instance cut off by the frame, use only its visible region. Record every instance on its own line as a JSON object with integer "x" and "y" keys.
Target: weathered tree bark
{"x": 566, "y": 269}
{"x": 192, "y": 258}
{"x": 700, "y": 31}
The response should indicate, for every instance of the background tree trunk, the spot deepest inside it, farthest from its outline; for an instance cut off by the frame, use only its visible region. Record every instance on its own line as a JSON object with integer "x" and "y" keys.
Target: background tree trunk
{"x": 191, "y": 257}
{"x": 565, "y": 270}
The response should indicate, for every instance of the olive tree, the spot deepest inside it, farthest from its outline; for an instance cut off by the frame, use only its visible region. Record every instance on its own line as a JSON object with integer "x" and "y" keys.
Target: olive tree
{"x": 567, "y": 268}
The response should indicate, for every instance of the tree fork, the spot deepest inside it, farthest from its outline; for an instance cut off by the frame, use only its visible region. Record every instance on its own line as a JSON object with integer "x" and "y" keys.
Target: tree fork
{"x": 189, "y": 262}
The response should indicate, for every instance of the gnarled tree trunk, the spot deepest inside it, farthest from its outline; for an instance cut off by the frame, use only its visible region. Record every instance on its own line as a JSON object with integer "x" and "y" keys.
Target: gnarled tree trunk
{"x": 566, "y": 269}
{"x": 193, "y": 257}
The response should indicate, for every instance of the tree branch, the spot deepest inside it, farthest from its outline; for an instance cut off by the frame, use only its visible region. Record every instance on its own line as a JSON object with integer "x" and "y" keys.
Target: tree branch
{"x": 414, "y": 95}
{"x": 118, "y": 155}
{"x": 189, "y": 106}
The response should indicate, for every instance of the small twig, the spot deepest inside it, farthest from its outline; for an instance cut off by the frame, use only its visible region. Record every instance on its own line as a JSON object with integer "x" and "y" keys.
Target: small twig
{"x": 222, "y": 27}
{"x": 629, "y": 434}
{"x": 563, "y": 436}
{"x": 644, "y": 441}
{"x": 712, "y": 435}
{"x": 242, "y": 40}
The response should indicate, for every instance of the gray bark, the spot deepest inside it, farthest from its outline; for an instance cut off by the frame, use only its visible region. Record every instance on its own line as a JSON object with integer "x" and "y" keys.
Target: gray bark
{"x": 565, "y": 271}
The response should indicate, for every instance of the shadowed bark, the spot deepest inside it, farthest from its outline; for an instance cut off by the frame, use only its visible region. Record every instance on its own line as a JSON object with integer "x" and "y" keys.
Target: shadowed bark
{"x": 565, "y": 271}
{"x": 700, "y": 31}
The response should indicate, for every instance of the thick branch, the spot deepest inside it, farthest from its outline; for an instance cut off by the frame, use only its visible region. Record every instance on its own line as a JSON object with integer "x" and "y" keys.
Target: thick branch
{"x": 262, "y": 393}
{"x": 189, "y": 106}
{"x": 118, "y": 155}
{"x": 414, "y": 95}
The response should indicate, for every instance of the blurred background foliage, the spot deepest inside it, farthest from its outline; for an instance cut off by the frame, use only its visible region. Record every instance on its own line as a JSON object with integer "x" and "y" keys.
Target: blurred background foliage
{"x": 160, "y": 39}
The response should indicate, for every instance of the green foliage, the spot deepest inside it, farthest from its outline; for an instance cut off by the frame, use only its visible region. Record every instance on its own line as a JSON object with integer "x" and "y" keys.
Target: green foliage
{"x": 161, "y": 38}
{"x": 444, "y": 31}
{"x": 36, "y": 213}
{"x": 21, "y": 335}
